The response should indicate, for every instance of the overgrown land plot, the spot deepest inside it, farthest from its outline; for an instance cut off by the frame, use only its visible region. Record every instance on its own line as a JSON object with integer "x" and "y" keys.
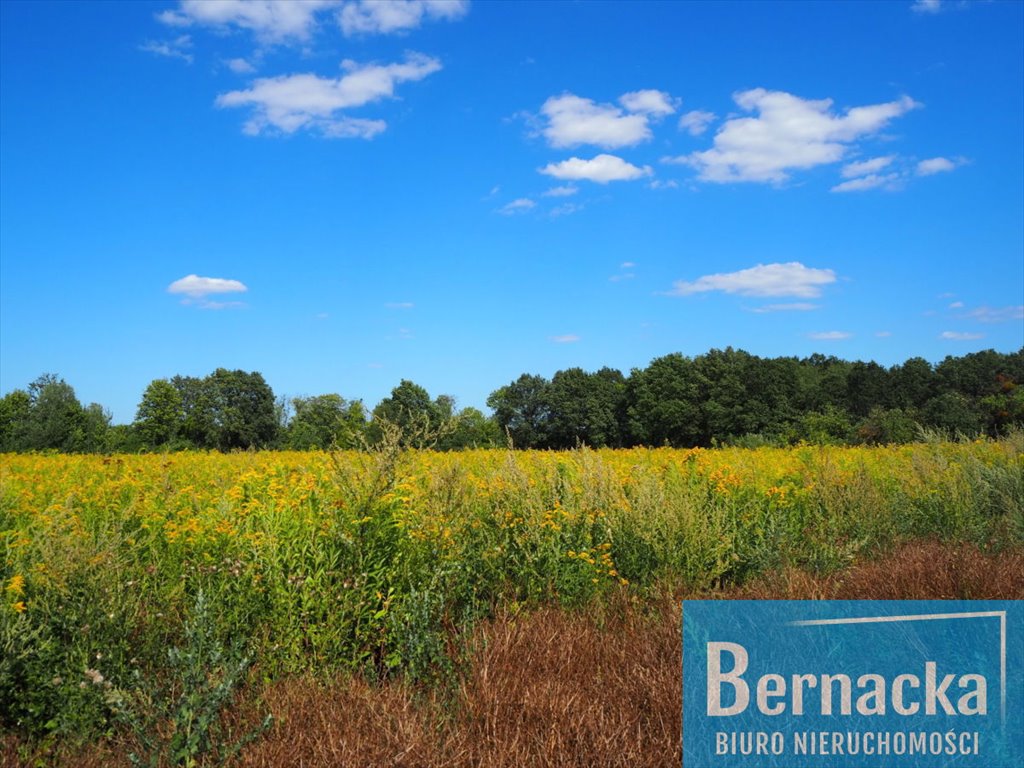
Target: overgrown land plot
{"x": 402, "y": 607}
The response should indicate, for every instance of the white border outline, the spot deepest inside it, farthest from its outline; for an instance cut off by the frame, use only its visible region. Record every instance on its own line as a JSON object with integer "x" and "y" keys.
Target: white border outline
{"x": 933, "y": 617}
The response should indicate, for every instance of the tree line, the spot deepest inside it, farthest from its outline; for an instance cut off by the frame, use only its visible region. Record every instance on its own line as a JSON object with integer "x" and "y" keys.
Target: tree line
{"x": 721, "y": 397}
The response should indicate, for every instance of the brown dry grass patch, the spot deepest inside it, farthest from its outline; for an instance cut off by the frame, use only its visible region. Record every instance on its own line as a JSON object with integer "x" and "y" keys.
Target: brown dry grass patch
{"x": 552, "y": 688}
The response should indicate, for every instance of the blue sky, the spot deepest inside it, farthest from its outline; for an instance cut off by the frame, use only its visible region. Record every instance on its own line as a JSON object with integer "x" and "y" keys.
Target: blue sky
{"x": 344, "y": 194}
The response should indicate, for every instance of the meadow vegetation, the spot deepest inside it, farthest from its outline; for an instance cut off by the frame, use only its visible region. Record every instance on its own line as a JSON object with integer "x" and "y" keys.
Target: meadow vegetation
{"x": 141, "y": 593}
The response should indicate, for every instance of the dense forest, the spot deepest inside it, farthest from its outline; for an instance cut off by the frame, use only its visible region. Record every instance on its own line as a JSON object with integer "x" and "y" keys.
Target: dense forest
{"x": 721, "y": 397}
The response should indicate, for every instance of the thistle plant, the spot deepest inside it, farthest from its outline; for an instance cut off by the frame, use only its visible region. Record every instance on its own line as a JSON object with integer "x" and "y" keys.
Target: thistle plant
{"x": 178, "y": 722}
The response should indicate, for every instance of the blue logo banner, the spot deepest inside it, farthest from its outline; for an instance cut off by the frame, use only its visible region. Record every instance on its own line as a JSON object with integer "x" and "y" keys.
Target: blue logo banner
{"x": 853, "y": 684}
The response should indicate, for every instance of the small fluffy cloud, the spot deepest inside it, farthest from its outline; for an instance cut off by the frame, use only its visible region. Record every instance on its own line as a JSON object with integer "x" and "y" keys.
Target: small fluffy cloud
{"x": 240, "y": 66}
{"x": 565, "y": 209}
{"x": 696, "y": 121}
{"x": 567, "y": 190}
{"x": 362, "y": 17}
{"x": 173, "y": 49}
{"x": 958, "y": 336}
{"x": 197, "y": 287}
{"x": 659, "y": 184}
{"x": 600, "y": 169}
{"x": 788, "y": 134}
{"x": 790, "y": 279}
{"x": 1001, "y": 315}
{"x": 517, "y": 206}
{"x": 926, "y": 6}
{"x": 866, "y": 167}
{"x": 197, "y": 291}
{"x": 568, "y": 338}
{"x": 288, "y": 103}
{"x": 572, "y": 121}
{"x": 830, "y": 335}
{"x": 935, "y": 165}
{"x": 871, "y": 181}
{"x": 271, "y": 21}
{"x": 649, "y": 102}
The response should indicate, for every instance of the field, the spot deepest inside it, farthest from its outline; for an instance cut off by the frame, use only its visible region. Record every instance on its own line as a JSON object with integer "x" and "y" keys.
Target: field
{"x": 419, "y": 608}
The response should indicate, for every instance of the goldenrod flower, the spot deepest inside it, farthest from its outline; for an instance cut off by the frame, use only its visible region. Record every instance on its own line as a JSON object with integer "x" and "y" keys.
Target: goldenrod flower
{"x": 16, "y": 585}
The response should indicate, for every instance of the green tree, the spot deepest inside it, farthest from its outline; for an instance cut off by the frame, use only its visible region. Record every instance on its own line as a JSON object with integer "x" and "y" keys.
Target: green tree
{"x": 95, "y": 431}
{"x": 914, "y": 383}
{"x": 867, "y": 386}
{"x": 243, "y": 409}
{"x": 471, "y": 429}
{"x": 160, "y": 417}
{"x": 884, "y": 426}
{"x": 15, "y": 417}
{"x": 955, "y": 413}
{"x": 829, "y": 426}
{"x": 410, "y": 408}
{"x": 198, "y": 427}
{"x": 325, "y": 421}
{"x": 664, "y": 403}
{"x": 57, "y": 419}
{"x": 585, "y": 407}
{"x": 522, "y": 411}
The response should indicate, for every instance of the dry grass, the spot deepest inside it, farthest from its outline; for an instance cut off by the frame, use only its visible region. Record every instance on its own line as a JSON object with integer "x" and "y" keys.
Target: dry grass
{"x": 553, "y": 688}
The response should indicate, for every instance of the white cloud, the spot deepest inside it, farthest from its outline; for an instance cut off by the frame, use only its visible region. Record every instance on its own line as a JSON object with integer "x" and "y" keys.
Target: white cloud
{"x": 601, "y": 169}
{"x": 889, "y": 181}
{"x": 649, "y": 102}
{"x": 659, "y": 184}
{"x": 568, "y": 338}
{"x": 271, "y": 21}
{"x": 696, "y": 121}
{"x": 866, "y": 167}
{"x": 388, "y": 16}
{"x": 240, "y": 66}
{"x": 990, "y": 315}
{"x": 565, "y": 209}
{"x": 197, "y": 287}
{"x": 566, "y": 190}
{"x": 196, "y": 291}
{"x": 926, "y": 6}
{"x": 627, "y": 265}
{"x": 935, "y": 165}
{"x": 956, "y": 305}
{"x": 800, "y": 306}
{"x": 790, "y": 279}
{"x": 573, "y": 121}
{"x": 958, "y": 336}
{"x": 517, "y": 206}
{"x": 292, "y": 102}
{"x": 830, "y": 335}
{"x": 399, "y": 305}
{"x": 788, "y": 134}
{"x": 178, "y": 48}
